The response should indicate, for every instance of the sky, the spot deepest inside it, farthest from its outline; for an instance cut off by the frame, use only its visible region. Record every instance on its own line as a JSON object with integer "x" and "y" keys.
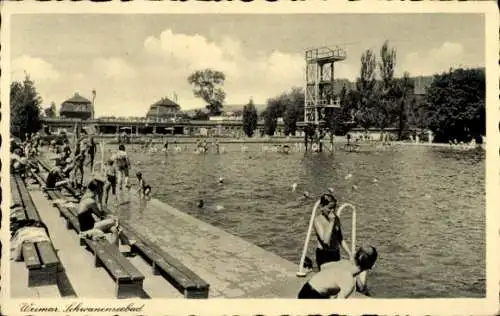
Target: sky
{"x": 134, "y": 60}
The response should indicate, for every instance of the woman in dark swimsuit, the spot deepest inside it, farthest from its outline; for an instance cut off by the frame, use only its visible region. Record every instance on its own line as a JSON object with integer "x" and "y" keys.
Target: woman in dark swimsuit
{"x": 329, "y": 232}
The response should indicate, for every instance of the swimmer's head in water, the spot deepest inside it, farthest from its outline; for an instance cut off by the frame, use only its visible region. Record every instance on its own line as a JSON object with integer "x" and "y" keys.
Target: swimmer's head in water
{"x": 121, "y": 147}
{"x": 138, "y": 174}
{"x": 365, "y": 257}
{"x": 200, "y": 203}
{"x": 328, "y": 200}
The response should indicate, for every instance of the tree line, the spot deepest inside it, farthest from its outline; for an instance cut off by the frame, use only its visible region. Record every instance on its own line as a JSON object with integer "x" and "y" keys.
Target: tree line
{"x": 453, "y": 106}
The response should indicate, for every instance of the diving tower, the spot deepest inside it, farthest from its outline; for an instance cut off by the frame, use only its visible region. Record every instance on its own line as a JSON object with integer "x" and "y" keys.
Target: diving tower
{"x": 319, "y": 90}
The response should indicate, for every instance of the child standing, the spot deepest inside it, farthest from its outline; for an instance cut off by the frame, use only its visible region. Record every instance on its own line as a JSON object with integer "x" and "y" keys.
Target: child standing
{"x": 143, "y": 189}
{"x": 110, "y": 172}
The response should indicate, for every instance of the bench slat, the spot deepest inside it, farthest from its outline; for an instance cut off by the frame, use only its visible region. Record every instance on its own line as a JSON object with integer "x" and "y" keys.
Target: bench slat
{"x": 30, "y": 256}
{"x": 47, "y": 254}
{"x": 16, "y": 198}
{"x": 177, "y": 274}
{"x": 66, "y": 212}
{"x": 126, "y": 265}
{"x": 107, "y": 259}
{"x": 29, "y": 206}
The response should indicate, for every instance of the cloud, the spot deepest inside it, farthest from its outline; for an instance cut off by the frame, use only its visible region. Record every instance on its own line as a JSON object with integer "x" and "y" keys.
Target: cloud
{"x": 113, "y": 68}
{"x": 261, "y": 75}
{"x": 37, "y": 68}
{"x": 435, "y": 60}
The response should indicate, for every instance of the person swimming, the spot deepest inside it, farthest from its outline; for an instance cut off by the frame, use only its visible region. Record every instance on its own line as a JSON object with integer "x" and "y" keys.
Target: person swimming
{"x": 340, "y": 279}
{"x": 329, "y": 232}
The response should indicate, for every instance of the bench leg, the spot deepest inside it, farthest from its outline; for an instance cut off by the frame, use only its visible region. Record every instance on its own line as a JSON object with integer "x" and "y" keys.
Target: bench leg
{"x": 129, "y": 289}
{"x": 43, "y": 276}
{"x": 156, "y": 270}
{"x": 198, "y": 293}
{"x": 97, "y": 262}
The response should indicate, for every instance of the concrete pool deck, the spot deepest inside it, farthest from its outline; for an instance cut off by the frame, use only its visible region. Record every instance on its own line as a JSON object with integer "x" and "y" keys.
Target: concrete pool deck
{"x": 79, "y": 277}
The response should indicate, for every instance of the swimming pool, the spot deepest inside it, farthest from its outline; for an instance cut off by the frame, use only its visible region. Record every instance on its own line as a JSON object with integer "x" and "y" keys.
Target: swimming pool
{"x": 423, "y": 208}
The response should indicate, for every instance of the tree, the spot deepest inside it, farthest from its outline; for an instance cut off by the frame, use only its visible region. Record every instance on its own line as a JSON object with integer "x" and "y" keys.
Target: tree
{"x": 24, "y": 108}
{"x": 366, "y": 92}
{"x": 200, "y": 115}
{"x": 388, "y": 109}
{"x": 249, "y": 118}
{"x": 50, "y": 111}
{"x": 404, "y": 99}
{"x": 270, "y": 121}
{"x": 289, "y": 106}
{"x": 456, "y": 105}
{"x": 207, "y": 85}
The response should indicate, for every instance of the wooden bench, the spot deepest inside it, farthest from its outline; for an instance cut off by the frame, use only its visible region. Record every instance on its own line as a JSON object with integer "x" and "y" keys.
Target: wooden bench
{"x": 181, "y": 277}
{"x": 29, "y": 206}
{"x": 42, "y": 263}
{"x": 128, "y": 279}
{"x": 16, "y": 198}
{"x": 40, "y": 258}
{"x": 71, "y": 219}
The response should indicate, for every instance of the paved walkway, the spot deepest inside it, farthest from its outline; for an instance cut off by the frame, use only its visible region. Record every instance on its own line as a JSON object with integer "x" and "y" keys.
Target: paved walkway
{"x": 232, "y": 266}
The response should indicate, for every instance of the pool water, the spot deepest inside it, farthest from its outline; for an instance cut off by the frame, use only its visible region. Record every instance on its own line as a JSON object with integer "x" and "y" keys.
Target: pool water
{"x": 423, "y": 208}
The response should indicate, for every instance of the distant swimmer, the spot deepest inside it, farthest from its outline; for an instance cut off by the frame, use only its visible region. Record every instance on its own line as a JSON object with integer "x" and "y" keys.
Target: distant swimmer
{"x": 329, "y": 232}
{"x": 143, "y": 189}
{"x": 294, "y": 187}
{"x": 221, "y": 180}
{"x": 340, "y": 279}
{"x": 200, "y": 203}
{"x": 217, "y": 146}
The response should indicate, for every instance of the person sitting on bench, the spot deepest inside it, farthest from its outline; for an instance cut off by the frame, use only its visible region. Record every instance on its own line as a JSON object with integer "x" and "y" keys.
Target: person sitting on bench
{"x": 56, "y": 178}
{"x": 92, "y": 226}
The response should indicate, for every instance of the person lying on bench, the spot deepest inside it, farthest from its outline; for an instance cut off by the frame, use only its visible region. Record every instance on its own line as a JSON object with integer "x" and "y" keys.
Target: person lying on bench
{"x": 90, "y": 225}
{"x": 27, "y": 230}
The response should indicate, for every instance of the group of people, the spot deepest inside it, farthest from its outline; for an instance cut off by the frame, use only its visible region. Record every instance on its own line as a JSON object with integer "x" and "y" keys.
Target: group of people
{"x": 70, "y": 163}
{"x": 94, "y": 220}
{"x": 202, "y": 146}
{"x": 336, "y": 277}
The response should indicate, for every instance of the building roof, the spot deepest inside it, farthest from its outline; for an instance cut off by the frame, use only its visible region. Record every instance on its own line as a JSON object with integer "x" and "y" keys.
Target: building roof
{"x": 163, "y": 108}
{"x": 76, "y": 103}
{"x": 166, "y": 102}
{"x": 76, "y": 98}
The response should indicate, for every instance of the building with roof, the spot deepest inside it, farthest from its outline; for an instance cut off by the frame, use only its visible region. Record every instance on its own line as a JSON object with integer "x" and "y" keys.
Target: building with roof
{"x": 77, "y": 107}
{"x": 163, "y": 109}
